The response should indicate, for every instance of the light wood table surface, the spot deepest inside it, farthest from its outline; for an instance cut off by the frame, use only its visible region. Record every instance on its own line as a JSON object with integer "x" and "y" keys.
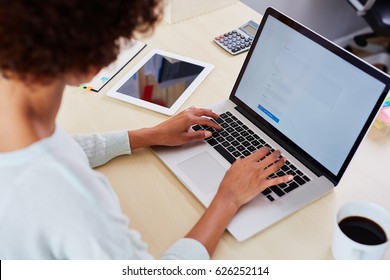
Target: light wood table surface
{"x": 161, "y": 208}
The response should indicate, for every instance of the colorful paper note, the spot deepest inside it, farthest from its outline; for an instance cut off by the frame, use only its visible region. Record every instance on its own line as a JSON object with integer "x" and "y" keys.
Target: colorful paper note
{"x": 126, "y": 54}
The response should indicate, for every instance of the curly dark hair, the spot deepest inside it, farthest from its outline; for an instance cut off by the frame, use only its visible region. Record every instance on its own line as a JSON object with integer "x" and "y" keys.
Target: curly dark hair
{"x": 40, "y": 40}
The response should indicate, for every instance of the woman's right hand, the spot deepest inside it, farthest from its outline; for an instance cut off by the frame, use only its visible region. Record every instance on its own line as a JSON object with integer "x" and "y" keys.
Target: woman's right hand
{"x": 247, "y": 177}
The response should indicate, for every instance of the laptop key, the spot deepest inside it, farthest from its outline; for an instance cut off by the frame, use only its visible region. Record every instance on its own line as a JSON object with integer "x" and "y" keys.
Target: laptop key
{"x": 225, "y": 153}
{"x": 291, "y": 172}
{"x": 225, "y": 144}
{"x": 270, "y": 197}
{"x": 223, "y": 116}
{"x": 282, "y": 185}
{"x": 266, "y": 191}
{"x": 240, "y": 148}
{"x": 219, "y": 121}
{"x": 212, "y": 142}
{"x": 293, "y": 167}
{"x": 307, "y": 179}
{"x": 291, "y": 186}
{"x": 231, "y": 149}
{"x": 224, "y": 125}
{"x": 251, "y": 148}
{"x": 285, "y": 168}
{"x": 277, "y": 190}
{"x": 235, "y": 143}
{"x": 236, "y": 154}
{"x": 229, "y": 138}
{"x": 196, "y": 127}
{"x": 215, "y": 134}
{"x": 230, "y": 129}
{"x": 246, "y": 143}
{"x": 255, "y": 143}
{"x": 246, "y": 153}
{"x": 299, "y": 180}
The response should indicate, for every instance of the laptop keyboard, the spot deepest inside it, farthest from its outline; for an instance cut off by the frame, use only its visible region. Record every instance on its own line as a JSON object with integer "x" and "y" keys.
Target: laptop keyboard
{"x": 237, "y": 140}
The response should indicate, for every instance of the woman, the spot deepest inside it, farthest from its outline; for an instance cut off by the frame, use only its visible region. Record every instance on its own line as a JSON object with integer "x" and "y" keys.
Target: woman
{"x": 53, "y": 205}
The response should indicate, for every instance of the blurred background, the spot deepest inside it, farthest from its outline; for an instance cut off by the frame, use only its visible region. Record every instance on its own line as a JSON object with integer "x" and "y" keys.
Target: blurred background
{"x": 334, "y": 19}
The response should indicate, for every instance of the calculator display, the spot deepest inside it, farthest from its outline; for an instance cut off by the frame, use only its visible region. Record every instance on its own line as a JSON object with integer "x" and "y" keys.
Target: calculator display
{"x": 250, "y": 29}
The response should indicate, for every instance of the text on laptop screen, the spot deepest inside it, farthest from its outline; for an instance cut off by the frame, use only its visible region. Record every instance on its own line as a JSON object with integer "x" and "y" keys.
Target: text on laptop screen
{"x": 312, "y": 96}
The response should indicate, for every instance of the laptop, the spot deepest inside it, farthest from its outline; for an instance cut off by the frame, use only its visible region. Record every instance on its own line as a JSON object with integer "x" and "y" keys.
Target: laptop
{"x": 296, "y": 92}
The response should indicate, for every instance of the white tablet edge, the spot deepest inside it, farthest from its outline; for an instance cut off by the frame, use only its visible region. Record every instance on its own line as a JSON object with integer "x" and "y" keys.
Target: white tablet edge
{"x": 207, "y": 67}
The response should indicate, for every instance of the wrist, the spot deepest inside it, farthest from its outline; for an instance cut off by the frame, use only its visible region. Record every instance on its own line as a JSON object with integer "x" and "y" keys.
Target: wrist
{"x": 141, "y": 138}
{"x": 225, "y": 201}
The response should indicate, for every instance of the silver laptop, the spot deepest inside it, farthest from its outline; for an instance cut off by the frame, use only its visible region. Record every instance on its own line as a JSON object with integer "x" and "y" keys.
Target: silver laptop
{"x": 296, "y": 92}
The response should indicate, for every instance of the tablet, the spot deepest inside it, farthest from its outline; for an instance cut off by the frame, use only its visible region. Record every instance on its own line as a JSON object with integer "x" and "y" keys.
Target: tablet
{"x": 161, "y": 81}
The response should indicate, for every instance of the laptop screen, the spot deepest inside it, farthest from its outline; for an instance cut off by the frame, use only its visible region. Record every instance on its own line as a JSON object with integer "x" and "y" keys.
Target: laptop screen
{"x": 315, "y": 98}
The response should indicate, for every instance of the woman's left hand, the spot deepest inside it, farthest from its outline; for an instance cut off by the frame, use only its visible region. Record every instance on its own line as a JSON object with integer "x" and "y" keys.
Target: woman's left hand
{"x": 175, "y": 131}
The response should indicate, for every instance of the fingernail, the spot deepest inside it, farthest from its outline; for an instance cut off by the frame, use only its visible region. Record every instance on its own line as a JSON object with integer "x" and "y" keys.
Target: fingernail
{"x": 290, "y": 177}
{"x": 207, "y": 134}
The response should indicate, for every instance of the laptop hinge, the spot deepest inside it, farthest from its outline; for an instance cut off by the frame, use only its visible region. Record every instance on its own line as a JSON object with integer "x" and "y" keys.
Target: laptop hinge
{"x": 282, "y": 143}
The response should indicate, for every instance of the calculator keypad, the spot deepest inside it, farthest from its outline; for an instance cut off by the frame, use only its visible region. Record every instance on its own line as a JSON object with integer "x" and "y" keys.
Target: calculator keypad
{"x": 234, "y": 42}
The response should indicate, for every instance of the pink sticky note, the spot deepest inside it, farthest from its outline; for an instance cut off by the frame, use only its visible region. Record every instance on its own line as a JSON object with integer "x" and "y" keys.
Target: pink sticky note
{"x": 384, "y": 115}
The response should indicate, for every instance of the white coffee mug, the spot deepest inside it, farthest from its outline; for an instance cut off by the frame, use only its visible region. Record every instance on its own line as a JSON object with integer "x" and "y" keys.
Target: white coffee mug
{"x": 350, "y": 225}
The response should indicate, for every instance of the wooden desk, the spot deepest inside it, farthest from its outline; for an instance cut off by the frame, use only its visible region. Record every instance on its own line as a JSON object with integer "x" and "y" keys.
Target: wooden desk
{"x": 161, "y": 208}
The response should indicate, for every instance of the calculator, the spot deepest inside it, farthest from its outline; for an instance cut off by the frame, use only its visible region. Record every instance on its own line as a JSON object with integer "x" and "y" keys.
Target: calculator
{"x": 238, "y": 40}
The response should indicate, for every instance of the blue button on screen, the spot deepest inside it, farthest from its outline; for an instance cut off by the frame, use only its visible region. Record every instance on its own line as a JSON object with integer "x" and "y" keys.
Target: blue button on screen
{"x": 268, "y": 113}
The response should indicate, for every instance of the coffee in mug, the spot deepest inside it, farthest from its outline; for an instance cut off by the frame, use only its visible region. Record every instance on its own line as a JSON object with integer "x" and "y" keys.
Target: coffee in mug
{"x": 361, "y": 231}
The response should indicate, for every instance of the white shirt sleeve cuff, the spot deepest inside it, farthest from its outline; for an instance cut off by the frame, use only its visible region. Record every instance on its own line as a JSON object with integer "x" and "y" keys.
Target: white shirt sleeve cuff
{"x": 102, "y": 147}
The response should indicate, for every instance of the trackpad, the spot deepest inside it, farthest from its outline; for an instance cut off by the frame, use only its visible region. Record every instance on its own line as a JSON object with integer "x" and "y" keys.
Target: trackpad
{"x": 204, "y": 171}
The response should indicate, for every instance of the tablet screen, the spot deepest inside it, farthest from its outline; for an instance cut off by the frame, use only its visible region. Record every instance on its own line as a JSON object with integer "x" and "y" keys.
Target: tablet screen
{"x": 161, "y": 80}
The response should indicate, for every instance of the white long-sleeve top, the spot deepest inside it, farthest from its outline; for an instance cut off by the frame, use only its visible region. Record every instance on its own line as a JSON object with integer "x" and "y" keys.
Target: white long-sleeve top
{"x": 53, "y": 205}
